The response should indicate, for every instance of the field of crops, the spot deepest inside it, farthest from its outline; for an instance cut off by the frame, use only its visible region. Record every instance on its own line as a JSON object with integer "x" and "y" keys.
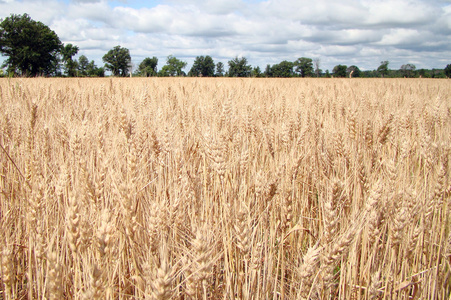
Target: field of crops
{"x": 208, "y": 188}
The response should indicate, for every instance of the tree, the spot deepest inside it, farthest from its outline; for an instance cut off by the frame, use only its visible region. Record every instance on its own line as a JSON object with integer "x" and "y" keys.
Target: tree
{"x": 83, "y": 63}
{"x": 118, "y": 61}
{"x": 339, "y": 71}
{"x": 219, "y": 69}
{"x": 317, "y": 62}
{"x": 238, "y": 67}
{"x": 448, "y": 70}
{"x": 327, "y": 74}
{"x": 203, "y": 66}
{"x": 353, "y": 71}
{"x": 304, "y": 66}
{"x": 256, "y": 72}
{"x": 67, "y": 51}
{"x": 173, "y": 67}
{"x": 148, "y": 67}
{"x": 408, "y": 70}
{"x": 268, "y": 71}
{"x": 383, "y": 68}
{"x": 92, "y": 70}
{"x": 31, "y": 47}
{"x": 424, "y": 73}
{"x": 283, "y": 69}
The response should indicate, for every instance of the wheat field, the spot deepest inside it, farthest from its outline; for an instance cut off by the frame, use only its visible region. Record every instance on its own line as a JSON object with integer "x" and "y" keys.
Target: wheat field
{"x": 208, "y": 188}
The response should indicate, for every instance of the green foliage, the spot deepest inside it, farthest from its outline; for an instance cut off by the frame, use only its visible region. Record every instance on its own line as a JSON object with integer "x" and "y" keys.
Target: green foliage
{"x": 31, "y": 47}
{"x": 118, "y": 61}
{"x": 92, "y": 70}
{"x": 304, "y": 66}
{"x": 354, "y": 71}
{"x": 173, "y": 67}
{"x": 83, "y": 65}
{"x": 67, "y": 51}
{"x": 339, "y": 71}
{"x": 408, "y": 70}
{"x": 423, "y": 73}
{"x": 238, "y": 67}
{"x": 383, "y": 68}
{"x": 448, "y": 70}
{"x": 219, "y": 69}
{"x": 203, "y": 66}
{"x": 148, "y": 67}
{"x": 268, "y": 71}
{"x": 283, "y": 69}
{"x": 256, "y": 72}
{"x": 327, "y": 75}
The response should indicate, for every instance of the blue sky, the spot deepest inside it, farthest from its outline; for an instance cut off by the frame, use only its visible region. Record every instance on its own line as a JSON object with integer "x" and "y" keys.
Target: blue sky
{"x": 350, "y": 32}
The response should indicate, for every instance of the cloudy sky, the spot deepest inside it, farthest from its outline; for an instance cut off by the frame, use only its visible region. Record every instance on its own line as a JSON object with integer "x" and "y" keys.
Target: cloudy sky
{"x": 350, "y": 32}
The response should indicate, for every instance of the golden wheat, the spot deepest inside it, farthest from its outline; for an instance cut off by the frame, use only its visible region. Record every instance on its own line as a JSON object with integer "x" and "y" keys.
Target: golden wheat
{"x": 208, "y": 188}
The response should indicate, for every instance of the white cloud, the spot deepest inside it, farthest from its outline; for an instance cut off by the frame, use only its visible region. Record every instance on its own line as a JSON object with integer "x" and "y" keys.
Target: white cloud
{"x": 389, "y": 13}
{"x": 360, "y": 32}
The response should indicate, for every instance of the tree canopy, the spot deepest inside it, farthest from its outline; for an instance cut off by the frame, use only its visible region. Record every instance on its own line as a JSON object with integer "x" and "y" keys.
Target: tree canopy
{"x": 353, "y": 71}
{"x": 383, "y": 68}
{"x": 203, "y": 66}
{"x": 282, "y": 69}
{"x": 219, "y": 69}
{"x": 31, "y": 47}
{"x": 118, "y": 61}
{"x": 339, "y": 71}
{"x": 304, "y": 66}
{"x": 238, "y": 67}
{"x": 83, "y": 63}
{"x": 448, "y": 70}
{"x": 68, "y": 51}
{"x": 173, "y": 67}
{"x": 408, "y": 70}
{"x": 148, "y": 67}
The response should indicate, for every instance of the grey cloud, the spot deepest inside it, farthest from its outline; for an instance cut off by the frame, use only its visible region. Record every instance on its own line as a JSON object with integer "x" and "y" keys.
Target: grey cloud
{"x": 360, "y": 32}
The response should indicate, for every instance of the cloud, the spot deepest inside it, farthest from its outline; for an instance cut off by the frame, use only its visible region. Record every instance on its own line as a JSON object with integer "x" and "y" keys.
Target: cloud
{"x": 360, "y": 32}
{"x": 400, "y": 13}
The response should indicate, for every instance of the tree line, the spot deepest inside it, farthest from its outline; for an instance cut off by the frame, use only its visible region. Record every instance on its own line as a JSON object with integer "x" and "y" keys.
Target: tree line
{"x": 33, "y": 49}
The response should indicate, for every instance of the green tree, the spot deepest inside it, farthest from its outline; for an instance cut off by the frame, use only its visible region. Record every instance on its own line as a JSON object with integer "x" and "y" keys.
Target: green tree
{"x": 408, "y": 70}
{"x": 219, "y": 69}
{"x": 203, "y": 66}
{"x": 327, "y": 74}
{"x": 148, "y": 67}
{"x": 268, "y": 71}
{"x": 383, "y": 68}
{"x": 339, "y": 71}
{"x": 68, "y": 51}
{"x": 256, "y": 72}
{"x": 93, "y": 70}
{"x": 353, "y": 71}
{"x": 448, "y": 70}
{"x": 118, "y": 61}
{"x": 173, "y": 67}
{"x": 304, "y": 66}
{"x": 238, "y": 67}
{"x": 283, "y": 69}
{"x": 424, "y": 73}
{"x": 83, "y": 63}
{"x": 31, "y": 47}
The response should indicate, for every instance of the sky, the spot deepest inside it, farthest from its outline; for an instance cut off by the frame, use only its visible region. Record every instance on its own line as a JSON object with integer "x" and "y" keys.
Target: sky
{"x": 348, "y": 32}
